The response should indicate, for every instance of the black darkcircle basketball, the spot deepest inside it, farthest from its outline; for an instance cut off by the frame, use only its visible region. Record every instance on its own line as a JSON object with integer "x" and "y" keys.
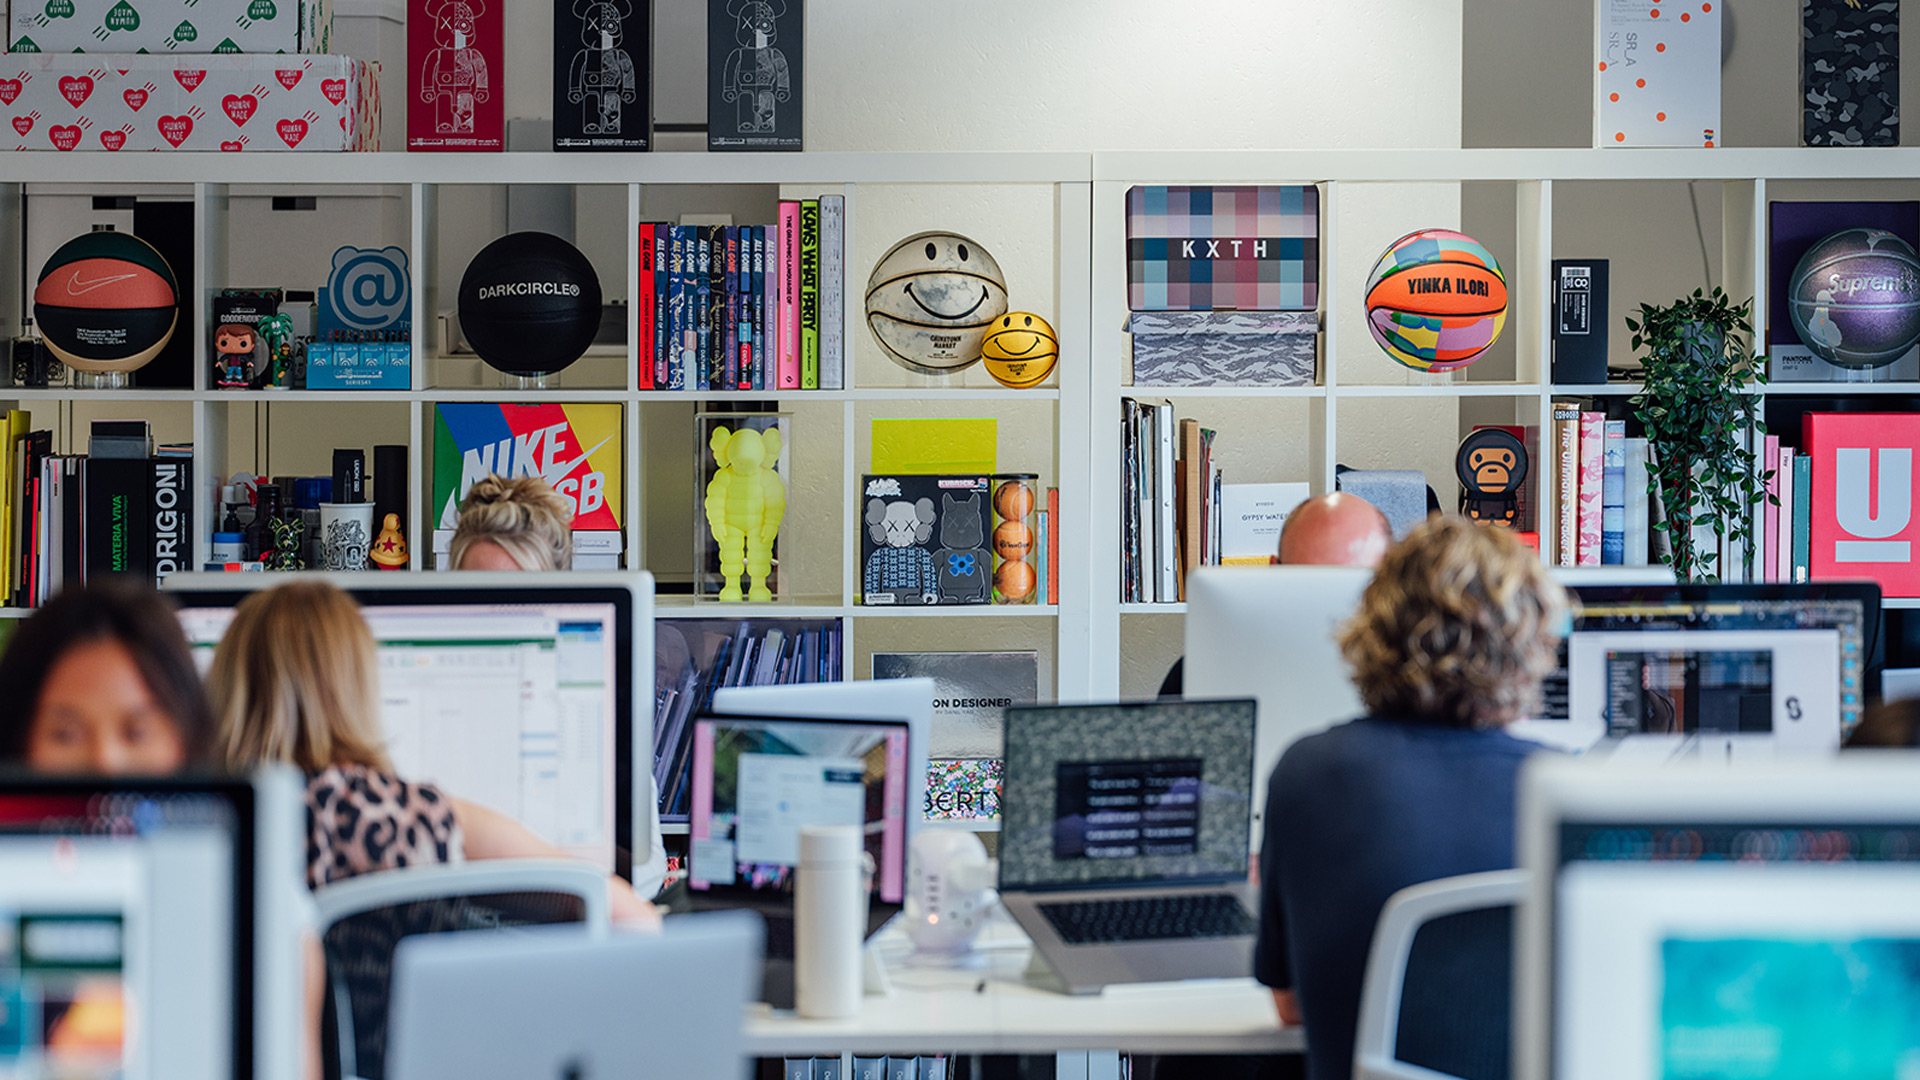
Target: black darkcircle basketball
{"x": 529, "y": 303}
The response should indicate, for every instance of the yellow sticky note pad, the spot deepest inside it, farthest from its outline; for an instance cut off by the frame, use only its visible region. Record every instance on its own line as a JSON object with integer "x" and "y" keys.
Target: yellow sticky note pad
{"x": 920, "y": 447}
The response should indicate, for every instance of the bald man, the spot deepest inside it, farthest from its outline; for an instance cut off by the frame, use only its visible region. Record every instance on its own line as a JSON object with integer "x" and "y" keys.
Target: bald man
{"x": 1335, "y": 530}
{"x": 1327, "y": 530}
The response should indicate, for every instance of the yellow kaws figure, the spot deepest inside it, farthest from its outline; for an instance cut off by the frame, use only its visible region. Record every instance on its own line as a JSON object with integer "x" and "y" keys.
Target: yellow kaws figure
{"x": 745, "y": 502}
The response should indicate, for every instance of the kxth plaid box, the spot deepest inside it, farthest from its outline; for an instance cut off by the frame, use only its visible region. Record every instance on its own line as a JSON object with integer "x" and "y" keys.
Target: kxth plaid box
{"x": 1223, "y": 248}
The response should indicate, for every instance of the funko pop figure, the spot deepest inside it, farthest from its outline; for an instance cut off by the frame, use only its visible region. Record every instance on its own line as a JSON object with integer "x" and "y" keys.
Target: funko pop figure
{"x": 234, "y": 345}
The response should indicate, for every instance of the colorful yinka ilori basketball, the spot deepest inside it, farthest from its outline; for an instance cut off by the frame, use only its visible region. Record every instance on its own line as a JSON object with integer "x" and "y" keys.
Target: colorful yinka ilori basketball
{"x": 106, "y": 301}
{"x": 1436, "y": 300}
{"x": 1854, "y": 298}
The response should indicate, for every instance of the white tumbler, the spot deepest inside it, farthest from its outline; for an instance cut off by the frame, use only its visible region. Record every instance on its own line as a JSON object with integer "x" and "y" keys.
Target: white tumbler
{"x": 829, "y": 922}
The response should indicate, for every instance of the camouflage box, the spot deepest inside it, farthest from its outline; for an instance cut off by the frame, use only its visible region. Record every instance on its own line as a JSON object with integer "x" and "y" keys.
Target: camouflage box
{"x": 1225, "y": 348}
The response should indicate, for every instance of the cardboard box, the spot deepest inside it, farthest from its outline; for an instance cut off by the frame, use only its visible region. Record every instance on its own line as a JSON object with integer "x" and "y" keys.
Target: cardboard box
{"x": 1580, "y": 321}
{"x": 359, "y": 365}
{"x": 1849, "y": 73}
{"x": 1657, "y": 74}
{"x": 602, "y": 75}
{"x": 70, "y": 101}
{"x": 755, "y": 60}
{"x": 1225, "y": 348}
{"x": 456, "y": 75}
{"x": 923, "y": 540}
{"x": 1792, "y": 228}
{"x": 1247, "y": 248}
{"x": 171, "y": 26}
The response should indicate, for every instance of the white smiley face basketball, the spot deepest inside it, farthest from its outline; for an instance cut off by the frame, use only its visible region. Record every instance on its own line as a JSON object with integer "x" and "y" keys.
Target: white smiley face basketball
{"x": 931, "y": 300}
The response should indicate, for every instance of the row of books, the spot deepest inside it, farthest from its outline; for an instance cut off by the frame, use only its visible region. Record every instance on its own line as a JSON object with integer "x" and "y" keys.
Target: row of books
{"x": 745, "y": 307}
{"x": 122, "y": 508}
{"x": 1177, "y": 511}
{"x": 695, "y": 657}
{"x": 1150, "y": 570}
{"x": 924, "y": 1067}
{"x": 1597, "y": 502}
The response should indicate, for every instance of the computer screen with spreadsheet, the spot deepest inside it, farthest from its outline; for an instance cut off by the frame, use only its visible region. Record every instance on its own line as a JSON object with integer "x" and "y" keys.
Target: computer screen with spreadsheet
{"x": 518, "y": 701}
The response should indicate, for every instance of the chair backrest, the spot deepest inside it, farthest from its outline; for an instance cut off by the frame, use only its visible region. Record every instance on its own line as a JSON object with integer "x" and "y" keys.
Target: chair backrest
{"x": 557, "y": 1002}
{"x": 1439, "y": 984}
{"x": 364, "y": 919}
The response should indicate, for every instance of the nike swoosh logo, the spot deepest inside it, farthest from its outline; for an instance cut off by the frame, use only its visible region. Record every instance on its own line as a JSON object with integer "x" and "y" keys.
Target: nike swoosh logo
{"x": 559, "y": 472}
{"x": 75, "y": 286}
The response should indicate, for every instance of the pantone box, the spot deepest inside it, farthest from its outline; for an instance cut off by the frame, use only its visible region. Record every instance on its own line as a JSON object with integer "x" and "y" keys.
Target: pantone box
{"x": 73, "y": 101}
{"x": 171, "y": 26}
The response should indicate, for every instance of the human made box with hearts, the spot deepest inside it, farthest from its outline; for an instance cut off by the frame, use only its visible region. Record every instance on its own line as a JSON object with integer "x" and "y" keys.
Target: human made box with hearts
{"x": 126, "y": 101}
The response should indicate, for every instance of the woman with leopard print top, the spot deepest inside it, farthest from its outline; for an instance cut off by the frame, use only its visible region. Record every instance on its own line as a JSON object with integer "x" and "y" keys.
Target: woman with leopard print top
{"x": 295, "y": 680}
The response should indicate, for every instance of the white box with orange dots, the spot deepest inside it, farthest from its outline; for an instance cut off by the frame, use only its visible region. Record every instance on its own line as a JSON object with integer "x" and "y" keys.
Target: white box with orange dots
{"x": 1656, "y": 73}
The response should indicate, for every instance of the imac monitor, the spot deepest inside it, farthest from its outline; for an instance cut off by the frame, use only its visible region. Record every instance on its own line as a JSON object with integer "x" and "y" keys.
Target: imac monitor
{"x": 127, "y": 926}
{"x": 907, "y": 700}
{"x": 1267, "y": 633}
{"x": 757, "y": 780}
{"x": 1732, "y": 668}
{"x": 515, "y": 691}
{"x": 1755, "y": 921}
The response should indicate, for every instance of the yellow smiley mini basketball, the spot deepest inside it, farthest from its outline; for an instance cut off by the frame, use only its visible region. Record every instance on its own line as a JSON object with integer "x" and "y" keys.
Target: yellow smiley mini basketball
{"x": 1020, "y": 350}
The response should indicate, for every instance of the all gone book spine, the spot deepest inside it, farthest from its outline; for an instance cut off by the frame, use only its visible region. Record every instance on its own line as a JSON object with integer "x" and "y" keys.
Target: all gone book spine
{"x": 644, "y": 312}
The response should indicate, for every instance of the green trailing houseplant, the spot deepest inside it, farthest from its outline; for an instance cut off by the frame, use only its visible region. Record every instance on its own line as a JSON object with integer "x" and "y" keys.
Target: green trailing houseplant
{"x": 1698, "y": 406}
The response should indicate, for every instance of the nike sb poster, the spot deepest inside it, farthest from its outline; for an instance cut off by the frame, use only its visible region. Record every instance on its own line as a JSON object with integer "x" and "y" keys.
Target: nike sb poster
{"x": 577, "y": 449}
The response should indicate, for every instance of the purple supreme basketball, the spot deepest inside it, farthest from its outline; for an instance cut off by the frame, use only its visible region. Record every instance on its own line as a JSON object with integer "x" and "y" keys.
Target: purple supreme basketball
{"x": 1854, "y": 298}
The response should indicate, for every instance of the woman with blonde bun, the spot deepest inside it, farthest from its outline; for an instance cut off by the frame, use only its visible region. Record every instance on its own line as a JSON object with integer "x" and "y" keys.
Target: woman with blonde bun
{"x": 517, "y": 524}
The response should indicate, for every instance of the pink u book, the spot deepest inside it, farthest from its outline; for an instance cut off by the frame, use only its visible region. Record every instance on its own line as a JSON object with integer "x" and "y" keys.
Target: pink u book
{"x": 789, "y": 337}
{"x": 1593, "y": 428}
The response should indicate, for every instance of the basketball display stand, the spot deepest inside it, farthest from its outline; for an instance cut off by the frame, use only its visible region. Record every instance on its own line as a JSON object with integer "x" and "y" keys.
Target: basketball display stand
{"x": 1066, "y": 262}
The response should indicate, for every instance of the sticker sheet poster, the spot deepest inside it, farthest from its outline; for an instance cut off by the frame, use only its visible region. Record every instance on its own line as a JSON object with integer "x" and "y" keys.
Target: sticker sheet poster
{"x": 577, "y": 449}
{"x": 1247, "y": 248}
{"x": 1863, "y": 523}
{"x": 1657, "y": 73}
{"x": 455, "y": 51}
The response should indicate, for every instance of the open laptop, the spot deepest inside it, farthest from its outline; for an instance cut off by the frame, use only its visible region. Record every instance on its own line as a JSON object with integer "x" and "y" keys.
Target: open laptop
{"x": 1124, "y": 838}
{"x": 756, "y": 781}
{"x": 559, "y": 1001}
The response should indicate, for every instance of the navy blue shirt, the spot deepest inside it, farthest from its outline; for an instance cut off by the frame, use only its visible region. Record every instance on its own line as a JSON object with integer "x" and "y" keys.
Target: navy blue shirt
{"x": 1354, "y": 815}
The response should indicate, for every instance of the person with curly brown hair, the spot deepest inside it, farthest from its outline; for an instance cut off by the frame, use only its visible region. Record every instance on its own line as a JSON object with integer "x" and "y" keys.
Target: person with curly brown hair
{"x": 1450, "y": 645}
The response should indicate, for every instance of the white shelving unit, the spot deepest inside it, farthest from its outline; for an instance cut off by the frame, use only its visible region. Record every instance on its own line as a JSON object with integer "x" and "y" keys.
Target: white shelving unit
{"x": 214, "y": 183}
{"x": 1743, "y": 176}
{"x": 1090, "y": 286}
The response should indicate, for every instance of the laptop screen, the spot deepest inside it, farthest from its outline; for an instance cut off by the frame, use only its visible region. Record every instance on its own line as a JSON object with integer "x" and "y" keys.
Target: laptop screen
{"x": 1151, "y": 793}
{"x": 757, "y": 781}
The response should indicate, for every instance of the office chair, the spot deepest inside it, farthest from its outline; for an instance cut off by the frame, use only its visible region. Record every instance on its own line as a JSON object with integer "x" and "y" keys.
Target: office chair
{"x": 1439, "y": 985}
{"x": 363, "y": 919}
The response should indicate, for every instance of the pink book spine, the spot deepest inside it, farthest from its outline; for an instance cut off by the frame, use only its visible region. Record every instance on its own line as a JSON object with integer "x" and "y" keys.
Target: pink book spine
{"x": 1770, "y": 528}
{"x": 1783, "y": 540}
{"x": 789, "y": 296}
{"x": 1593, "y": 428}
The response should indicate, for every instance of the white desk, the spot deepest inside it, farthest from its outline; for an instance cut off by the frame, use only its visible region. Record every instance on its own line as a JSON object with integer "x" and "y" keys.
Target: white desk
{"x": 990, "y": 1009}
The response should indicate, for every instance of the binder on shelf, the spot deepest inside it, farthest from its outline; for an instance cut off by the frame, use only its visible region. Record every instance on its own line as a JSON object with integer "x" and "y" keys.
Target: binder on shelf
{"x": 1613, "y": 494}
{"x": 833, "y": 308}
{"x": 1566, "y": 486}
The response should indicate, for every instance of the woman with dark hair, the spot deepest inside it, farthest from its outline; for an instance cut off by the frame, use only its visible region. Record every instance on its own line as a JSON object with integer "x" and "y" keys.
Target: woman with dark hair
{"x": 101, "y": 680}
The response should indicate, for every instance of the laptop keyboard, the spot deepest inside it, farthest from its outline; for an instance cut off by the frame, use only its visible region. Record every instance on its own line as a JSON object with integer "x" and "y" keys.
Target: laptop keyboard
{"x": 1148, "y": 918}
